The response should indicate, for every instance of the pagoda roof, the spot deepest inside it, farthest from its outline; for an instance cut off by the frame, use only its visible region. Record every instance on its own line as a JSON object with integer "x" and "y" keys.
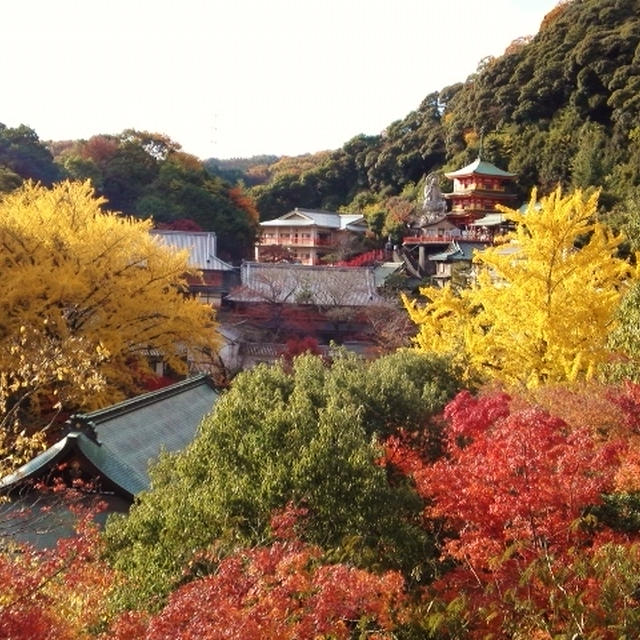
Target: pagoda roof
{"x": 459, "y": 251}
{"x": 119, "y": 441}
{"x": 480, "y": 167}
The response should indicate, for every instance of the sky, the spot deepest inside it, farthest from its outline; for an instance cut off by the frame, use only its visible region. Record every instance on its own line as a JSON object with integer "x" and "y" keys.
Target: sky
{"x": 242, "y": 77}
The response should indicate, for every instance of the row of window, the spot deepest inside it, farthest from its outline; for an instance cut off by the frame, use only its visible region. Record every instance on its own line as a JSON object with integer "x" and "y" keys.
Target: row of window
{"x": 285, "y": 235}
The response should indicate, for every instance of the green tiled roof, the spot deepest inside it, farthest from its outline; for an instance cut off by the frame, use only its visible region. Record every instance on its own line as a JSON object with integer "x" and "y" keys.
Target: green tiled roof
{"x": 480, "y": 167}
{"x": 120, "y": 441}
{"x": 457, "y": 251}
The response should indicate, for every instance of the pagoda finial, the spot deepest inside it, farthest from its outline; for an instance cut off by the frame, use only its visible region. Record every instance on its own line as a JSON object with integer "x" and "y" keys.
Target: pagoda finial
{"x": 481, "y": 149}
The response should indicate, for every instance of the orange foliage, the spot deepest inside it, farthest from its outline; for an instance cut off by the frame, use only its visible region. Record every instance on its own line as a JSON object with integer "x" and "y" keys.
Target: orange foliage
{"x": 186, "y": 161}
{"x": 282, "y": 591}
{"x": 591, "y": 405}
{"x": 297, "y": 165}
{"x": 554, "y": 14}
{"x": 244, "y": 201}
{"x": 100, "y": 149}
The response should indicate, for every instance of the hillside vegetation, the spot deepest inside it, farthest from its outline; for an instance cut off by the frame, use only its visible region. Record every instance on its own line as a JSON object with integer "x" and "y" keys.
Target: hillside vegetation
{"x": 141, "y": 174}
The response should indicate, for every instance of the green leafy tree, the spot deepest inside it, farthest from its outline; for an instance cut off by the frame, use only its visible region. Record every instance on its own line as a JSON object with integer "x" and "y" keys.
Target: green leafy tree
{"x": 307, "y": 436}
{"x": 24, "y": 157}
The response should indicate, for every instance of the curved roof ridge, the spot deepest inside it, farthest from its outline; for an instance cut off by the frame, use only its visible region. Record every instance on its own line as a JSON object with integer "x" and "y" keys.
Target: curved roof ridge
{"x": 481, "y": 167}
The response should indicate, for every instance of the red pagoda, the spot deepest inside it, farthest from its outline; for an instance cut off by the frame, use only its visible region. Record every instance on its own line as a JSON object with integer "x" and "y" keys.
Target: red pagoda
{"x": 477, "y": 189}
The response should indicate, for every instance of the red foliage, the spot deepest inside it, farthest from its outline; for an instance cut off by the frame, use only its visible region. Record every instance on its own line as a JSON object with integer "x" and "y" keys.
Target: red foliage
{"x": 282, "y": 592}
{"x": 513, "y": 493}
{"x": 400, "y": 455}
{"x": 628, "y": 400}
{"x": 510, "y": 479}
{"x": 152, "y": 383}
{"x": 298, "y": 346}
{"x": 55, "y": 593}
{"x": 129, "y": 625}
{"x": 243, "y": 200}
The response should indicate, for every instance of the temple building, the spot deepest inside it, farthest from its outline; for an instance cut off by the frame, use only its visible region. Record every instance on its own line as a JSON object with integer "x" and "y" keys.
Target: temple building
{"x": 477, "y": 189}
{"x": 109, "y": 452}
{"x": 305, "y": 236}
{"x": 452, "y": 226}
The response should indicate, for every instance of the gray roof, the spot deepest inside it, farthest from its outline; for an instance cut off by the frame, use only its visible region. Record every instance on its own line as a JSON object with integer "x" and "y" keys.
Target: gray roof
{"x": 301, "y": 284}
{"x": 480, "y": 167}
{"x": 490, "y": 220}
{"x": 458, "y": 251}
{"x": 382, "y": 271}
{"x": 201, "y": 246}
{"x": 318, "y": 218}
{"x": 119, "y": 442}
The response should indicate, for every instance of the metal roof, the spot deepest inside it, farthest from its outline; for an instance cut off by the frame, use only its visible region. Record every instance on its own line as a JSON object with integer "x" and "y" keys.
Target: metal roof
{"x": 458, "y": 251}
{"x": 318, "y": 218}
{"x": 121, "y": 440}
{"x": 201, "y": 246}
{"x": 480, "y": 167}
{"x": 384, "y": 270}
{"x": 301, "y": 284}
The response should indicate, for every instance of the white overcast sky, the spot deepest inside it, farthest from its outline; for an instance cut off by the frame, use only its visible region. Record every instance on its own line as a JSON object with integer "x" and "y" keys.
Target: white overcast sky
{"x": 242, "y": 77}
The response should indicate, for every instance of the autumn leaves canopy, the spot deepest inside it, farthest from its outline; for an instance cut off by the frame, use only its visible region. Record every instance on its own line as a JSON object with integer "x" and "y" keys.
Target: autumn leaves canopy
{"x": 87, "y": 297}
{"x": 543, "y": 303}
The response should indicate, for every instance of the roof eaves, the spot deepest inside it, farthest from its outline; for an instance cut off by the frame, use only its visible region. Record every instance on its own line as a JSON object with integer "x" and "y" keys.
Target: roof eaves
{"x": 35, "y": 466}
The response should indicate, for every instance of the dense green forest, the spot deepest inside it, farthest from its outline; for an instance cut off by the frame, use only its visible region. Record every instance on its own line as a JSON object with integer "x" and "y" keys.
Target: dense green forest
{"x": 562, "y": 107}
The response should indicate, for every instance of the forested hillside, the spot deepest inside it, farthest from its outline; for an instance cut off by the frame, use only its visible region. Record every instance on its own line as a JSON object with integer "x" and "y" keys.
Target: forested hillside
{"x": 561, "y": 107}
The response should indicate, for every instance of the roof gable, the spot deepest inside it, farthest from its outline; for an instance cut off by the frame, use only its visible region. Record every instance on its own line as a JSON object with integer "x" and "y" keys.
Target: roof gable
{"x": 480, "y": 167}
{"x": 121, "y": 440}
{"x": 458, "y": 251}
{"x": 318, "y": 218}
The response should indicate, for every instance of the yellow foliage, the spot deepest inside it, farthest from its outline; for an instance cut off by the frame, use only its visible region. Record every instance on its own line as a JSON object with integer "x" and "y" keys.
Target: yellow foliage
{"x": 94, "y": 292}
{"x": 541, "y": 309}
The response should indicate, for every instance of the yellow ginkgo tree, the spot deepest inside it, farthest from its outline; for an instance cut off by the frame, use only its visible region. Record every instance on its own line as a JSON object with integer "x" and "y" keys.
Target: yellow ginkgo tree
{"x": 87, "y": 295}
{"x": 543, "y": 302}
